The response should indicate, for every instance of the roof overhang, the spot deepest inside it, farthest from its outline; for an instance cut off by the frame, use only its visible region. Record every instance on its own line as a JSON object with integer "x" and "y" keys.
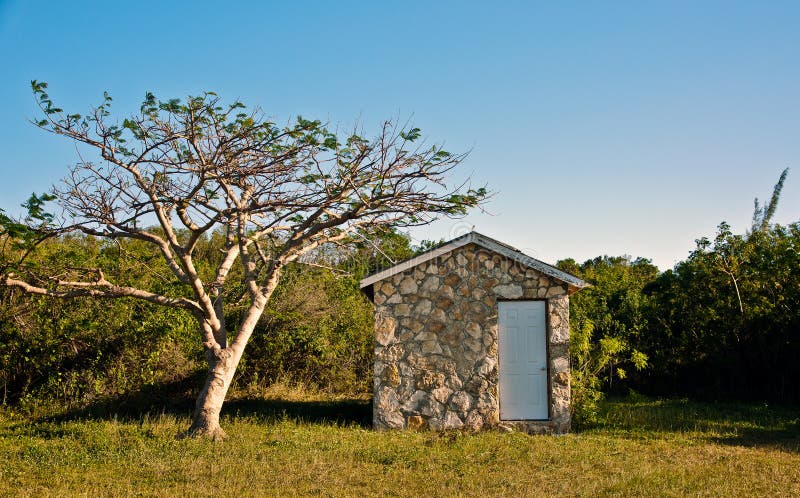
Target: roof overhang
{"x": 574, "y": 283}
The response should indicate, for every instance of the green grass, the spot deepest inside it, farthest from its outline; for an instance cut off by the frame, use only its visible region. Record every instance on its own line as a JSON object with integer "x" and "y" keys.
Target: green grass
{"x": 296, "y": 445}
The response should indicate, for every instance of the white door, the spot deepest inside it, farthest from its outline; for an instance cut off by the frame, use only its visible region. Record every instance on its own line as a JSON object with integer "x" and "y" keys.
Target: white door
{"x": 523, "y": 360}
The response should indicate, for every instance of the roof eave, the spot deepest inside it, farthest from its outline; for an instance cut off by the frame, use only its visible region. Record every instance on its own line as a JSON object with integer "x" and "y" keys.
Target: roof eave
{"x": 574, "y": 283}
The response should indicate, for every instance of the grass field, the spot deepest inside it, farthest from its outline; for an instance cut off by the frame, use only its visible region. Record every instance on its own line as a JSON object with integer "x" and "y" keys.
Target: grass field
{"x": 303, "y": 446}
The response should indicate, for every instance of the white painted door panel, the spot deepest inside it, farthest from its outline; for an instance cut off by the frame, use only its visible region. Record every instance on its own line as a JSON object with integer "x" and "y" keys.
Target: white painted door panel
{"x": 523, "y": 360}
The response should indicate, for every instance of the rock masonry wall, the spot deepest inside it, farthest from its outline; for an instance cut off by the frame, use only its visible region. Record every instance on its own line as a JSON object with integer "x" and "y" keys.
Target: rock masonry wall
{"x": 436, "y": 343}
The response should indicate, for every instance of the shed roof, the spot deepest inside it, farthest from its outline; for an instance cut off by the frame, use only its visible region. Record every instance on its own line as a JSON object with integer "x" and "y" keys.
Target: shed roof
{"x": 574, "y": 283}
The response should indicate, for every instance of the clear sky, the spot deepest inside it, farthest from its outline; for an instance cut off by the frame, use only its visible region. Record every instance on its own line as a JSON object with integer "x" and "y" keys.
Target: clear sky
{"x": 604, "y": 127}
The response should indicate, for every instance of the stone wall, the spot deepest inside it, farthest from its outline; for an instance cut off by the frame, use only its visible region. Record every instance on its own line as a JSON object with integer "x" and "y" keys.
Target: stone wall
{"x": 436, "y": 342}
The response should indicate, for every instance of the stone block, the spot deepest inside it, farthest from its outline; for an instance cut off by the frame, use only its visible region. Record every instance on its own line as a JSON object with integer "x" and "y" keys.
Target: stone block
{"x": 441, "y": 394}
{"x": 474, "y": 330}
{"x": 487, "y": 366}
{"x": 416, "y": 403}
{"x": 395, "y": 298}
{"x": 562, "y": 378}
{"x": 386, "y": 400}
{"x": 423, "y": 307}
{"x": 425, "y": 335}
{"x": 392, "y": 420}
{"x": 444, "y": 303}
{"x": 431, "y": 347}
{"x": 430, "y": 284}
{"x": 474, "y": 421}
{"x": 460, "y": 402}
{"x": 560, "y": 364}
{"x": 451, "y": 421}
{"x": 432, "y": 409}
{"x": 408, "y": 286}
{"x": 384, "y": 329}
{"x": 508, "y": 291}
{"x": 391, "y": 374}
{"x": 452, "y": 280}
{"x": 435, "y": 326}
{"x": 387, "y": 288}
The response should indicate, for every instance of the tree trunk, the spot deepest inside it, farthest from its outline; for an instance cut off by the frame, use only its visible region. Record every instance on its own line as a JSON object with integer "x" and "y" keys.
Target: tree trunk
{"x": 222, "y": 363}
{"x": 221, "y": 367}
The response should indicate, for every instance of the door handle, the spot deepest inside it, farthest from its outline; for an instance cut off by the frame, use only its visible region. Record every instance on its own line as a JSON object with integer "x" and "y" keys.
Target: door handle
{"x": 543, "y": 368}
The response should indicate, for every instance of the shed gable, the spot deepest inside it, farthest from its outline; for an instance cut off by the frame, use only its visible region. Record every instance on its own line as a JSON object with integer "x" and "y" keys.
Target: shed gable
{"x": 504, "y": 251}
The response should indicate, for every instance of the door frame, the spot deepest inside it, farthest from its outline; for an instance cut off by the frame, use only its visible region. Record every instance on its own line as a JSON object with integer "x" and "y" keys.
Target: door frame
{"x": 547, "y": 333}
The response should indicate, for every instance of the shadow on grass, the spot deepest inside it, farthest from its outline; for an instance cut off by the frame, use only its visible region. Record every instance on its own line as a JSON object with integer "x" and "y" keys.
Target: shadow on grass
{"x": 177, "y": 399}
{"x": 739, "y": 424}
{"x": 348, "y": 412}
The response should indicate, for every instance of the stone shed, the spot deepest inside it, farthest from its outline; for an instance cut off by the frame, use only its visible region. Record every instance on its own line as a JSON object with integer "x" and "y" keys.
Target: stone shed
{"x": 472, "y": 334}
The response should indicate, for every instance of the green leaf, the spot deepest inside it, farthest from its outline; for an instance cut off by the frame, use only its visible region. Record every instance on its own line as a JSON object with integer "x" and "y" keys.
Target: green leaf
{"x": 411, "y": 135}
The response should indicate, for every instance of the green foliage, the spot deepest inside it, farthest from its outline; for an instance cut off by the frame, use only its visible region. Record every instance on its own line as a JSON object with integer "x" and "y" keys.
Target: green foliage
{"x": 727, "y": 318}
{"x": 373, "y": 252}
{"x": 79, "y": 351}
{"x": 762, "y": 215}
{"x": 24, "y": 235}
{"x": 167, "y": 132}
{"x": 721, "y": 325}
{"x": 607, "y": 321}
{"x": 316, "y": 331}
{"x": 411, "y": 135}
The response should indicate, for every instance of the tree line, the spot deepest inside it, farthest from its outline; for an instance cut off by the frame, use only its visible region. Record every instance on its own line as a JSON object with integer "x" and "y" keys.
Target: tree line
{"x": 316, "y": 330}
{"x": 722, "y": 324}
{"x": 201, "y": 228}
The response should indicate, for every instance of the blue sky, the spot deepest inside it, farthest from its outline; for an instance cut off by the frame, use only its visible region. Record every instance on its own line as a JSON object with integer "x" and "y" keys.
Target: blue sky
{"x": 604, "y": 127}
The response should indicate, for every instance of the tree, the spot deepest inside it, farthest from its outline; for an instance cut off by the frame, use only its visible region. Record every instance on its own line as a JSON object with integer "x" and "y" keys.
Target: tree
{"x": 725, "y": 319}
{"x": 762, "y": 214}
{"x": 607, "y": 320}
{"x": 179, "y": 171}
{"x": 707, "y": 340}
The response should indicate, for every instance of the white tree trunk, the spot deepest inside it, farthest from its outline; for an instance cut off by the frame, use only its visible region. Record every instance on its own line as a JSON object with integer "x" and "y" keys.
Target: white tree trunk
{"x": 222, "y": 363}
{"x": 221, "y": 367}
